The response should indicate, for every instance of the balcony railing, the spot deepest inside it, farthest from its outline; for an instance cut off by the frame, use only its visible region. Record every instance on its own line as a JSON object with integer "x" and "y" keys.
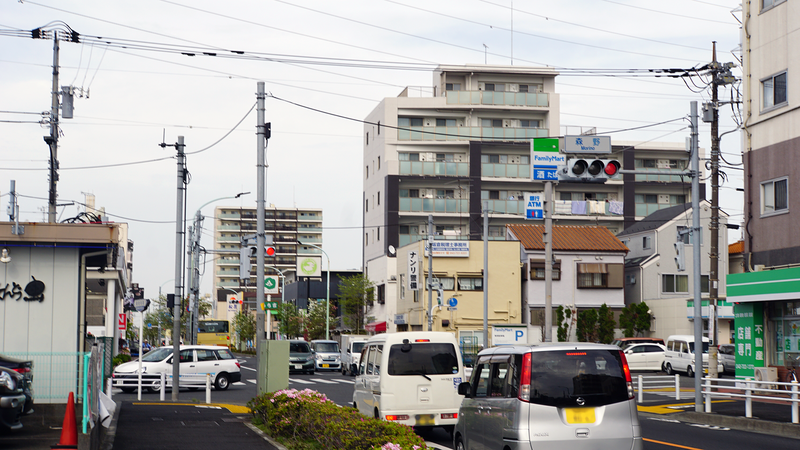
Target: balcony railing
{"x": 434, "y": 168}
{"x": 677, "y": 178}
{"x": 506, "y": 170}
{"x": 228, "y": 239}
{"x": 469, "y": 133}
{"x": 438, "y": 205}
{"x": 530, "y": 99}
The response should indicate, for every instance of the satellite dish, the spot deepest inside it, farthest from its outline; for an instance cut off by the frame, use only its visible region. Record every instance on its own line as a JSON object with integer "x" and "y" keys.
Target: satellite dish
{"x": 392, "y": 250}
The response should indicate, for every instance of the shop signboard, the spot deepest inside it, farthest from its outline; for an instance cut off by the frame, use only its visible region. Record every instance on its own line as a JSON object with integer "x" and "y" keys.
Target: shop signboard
{"x": 749, "y": 338}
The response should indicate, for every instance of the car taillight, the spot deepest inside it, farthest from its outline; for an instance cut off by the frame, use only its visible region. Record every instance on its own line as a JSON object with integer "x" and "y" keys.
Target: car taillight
{"x": 627, "y": 371}
{"x": 449, "y": 415}
{"x": 238, "y": 365}
{"x": 525, "y": 379}
{"x": 22, "y": 370}
{"x": 393, "y": 417}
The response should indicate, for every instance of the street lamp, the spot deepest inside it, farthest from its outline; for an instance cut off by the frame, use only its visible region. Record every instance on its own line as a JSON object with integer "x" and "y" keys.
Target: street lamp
{"x": 327, "y": 293}
{"x": 194, "y": 279}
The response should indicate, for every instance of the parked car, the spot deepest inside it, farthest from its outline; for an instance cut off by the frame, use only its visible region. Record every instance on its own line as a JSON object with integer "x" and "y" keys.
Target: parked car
{"x": 301, "y": 357}
{"x": 350, "y": 353}
{"x": 12, "y": 398}
{"x": 24, "y": 368}
{"x": 645, "y": 356}
{"x": 326, "y": 355}
{"x": 727, "y": 357}
{"x": 195, "y": 362}
{"x": 624, "y": 342}
{"x": 576, "y": 396}
{"x": 680, "y": 355}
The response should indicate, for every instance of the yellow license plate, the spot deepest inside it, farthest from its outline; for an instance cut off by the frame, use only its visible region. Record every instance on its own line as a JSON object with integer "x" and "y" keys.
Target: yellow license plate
{"x": 325, "y": 365}
{"x": 580, "y": 415}
{"x": 425, "y": 420}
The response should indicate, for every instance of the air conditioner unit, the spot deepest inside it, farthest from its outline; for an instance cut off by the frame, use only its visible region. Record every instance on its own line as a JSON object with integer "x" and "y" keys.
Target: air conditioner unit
{"x": 423, "y": 230}
{"x": 662, "y": 164}
{"x": 766, "y": 374}
{"x": 513, "y": 160}
{"x": 663, "y": 199}
{"x": 508, "y": 123}
{"x": 481, "y": 86}
{"x": 429, "y": 122}
{"x": 393, "y": 278}
{"x": 513, "y": 87}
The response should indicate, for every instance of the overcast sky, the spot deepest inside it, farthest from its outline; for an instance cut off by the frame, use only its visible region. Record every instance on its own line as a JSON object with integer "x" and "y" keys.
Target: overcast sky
{"x": 372, "y": 49}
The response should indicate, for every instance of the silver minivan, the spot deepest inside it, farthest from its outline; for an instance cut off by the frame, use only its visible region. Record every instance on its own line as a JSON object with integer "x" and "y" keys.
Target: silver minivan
{"x": 549, "y": 396}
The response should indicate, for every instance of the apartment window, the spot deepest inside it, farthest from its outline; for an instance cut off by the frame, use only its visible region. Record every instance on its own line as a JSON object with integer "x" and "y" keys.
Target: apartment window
{"x": 494, "y": 195}
{"x": 775, "y": 196}
{"x": 379, "y": 198}
{"x": 404, "y": 229}
{"x": 452, "y": 86}
{"x": 378, "y": 231}
{"x": 379, "y": 128}
{"x": 673, "y": 284}
{"x": 366, "y": 169}
{"x": 495, "y": 87}
{"x": 767, "y": 4}
{"x": 367, "y": 138}
{"x": 646, "y": 242}
{"x": 538, "y": 267}
{"x": 447, "y": 283}
{"x": 470, "y": 284}
{"x": 704, "y": 283}
{"x": 366, "y": 238}
{"x": 445, "y": 122}
{"x": 409, "y": 121}
{"x": 366, "y": 205}
{"x": 602, "y": 276}
{"x": 491, "y": 123}
{"x": 409, "y": 193}
{"x": 444, "y": 157}
{"x": 381, "y": 294}
{"x": 646, "y": 198}
{"x": 773, "y": 90}
{"x": 445, "y": 193}
{"x": 529, "y": 123}
{"x": 408, "y": 156}
{"x": 379, "y": 163}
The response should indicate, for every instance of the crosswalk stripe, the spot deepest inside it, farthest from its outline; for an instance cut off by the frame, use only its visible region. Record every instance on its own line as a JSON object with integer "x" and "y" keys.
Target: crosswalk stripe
{"x": 322, "y": 380}
{"x": 340, "y": 380}
{"x": 296, "y": 380}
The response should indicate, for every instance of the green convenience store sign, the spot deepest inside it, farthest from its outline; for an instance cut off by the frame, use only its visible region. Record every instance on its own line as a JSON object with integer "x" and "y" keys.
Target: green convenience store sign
{"x": 749, "y": 338}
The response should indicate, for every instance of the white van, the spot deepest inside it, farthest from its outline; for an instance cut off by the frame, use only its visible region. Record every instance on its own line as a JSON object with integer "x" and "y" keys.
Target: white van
{"x": 411, "y": 378}
{"x": 679, "y": 356}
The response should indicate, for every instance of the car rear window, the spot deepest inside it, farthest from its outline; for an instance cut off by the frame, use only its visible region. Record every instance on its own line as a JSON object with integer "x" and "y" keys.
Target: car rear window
{"x": 326, "y": 347}
{"x": 560, "y": 378}
{"x": 423, "y": 358}
{"x": 225, "y": 354}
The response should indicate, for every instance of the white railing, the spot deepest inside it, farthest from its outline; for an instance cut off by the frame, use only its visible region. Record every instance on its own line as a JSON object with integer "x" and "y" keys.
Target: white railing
{"x": 658, "y": 382}
{"x": 751, "y": 389}
{"x": 161, "y": 378}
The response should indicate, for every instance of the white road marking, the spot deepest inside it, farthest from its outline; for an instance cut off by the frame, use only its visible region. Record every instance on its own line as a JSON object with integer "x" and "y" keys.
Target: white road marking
{"x": 341, "y": 380}
{"x": 322, "y": 380}
{"x": 297, "y": 380}
{"x": 254, "y": 381}
{"x": 254, "y": 370}
{"x": 434, "y": 445}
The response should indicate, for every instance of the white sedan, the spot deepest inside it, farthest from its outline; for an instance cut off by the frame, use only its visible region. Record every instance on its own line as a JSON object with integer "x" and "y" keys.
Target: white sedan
{"x": 645, "y": 356}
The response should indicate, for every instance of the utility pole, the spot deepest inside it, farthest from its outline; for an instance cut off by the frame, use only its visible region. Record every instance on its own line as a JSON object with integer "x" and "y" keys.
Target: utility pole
{"x": 430, "y": 273}
{"x": 486, "y": 274}
{"x": 176, "y": 310}
{"x": 713, "y": 278}
{"x": 52, "y": 140}
{"x": 548, "y": 261}
{"x": 696, "y": 270}
{"x": 262, "y": 137}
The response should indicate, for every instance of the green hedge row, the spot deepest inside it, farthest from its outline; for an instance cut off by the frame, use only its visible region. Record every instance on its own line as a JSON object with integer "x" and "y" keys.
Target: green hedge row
{"x": 308, "y": 420}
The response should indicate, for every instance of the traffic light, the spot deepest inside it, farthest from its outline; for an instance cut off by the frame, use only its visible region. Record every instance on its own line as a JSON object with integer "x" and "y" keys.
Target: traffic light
{"x": 245, "y": 253}
{"x": 680, "y": 257}
{"x": 586, "y": 169}
{"x": 269, "y": 250}
{"x": 439, "y": 296}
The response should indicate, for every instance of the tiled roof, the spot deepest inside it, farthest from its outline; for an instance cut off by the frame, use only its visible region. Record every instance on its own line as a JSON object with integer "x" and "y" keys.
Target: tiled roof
{"x": 584, "y": 238}
{"x": 736, "y": 247}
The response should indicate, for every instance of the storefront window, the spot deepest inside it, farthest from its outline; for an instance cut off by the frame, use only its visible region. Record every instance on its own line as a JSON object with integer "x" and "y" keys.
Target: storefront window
{"x": 785, "y": 320}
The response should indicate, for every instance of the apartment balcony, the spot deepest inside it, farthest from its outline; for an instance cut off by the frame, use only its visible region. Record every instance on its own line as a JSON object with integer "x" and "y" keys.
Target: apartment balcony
{"x": 230, "y": 228}
{"x": 492, "y": 98}
{"x": 490, "y": 170}
{"x": 228, "y": 239}
{"x": 229, "y": 215}
{"x": 415, "y": 133}
{"x": 315, "y": 229}
{"x": 434, "y": 168}
{"x": 434, "y": 205}
{"x": 679, "y": 177}
{"x": 228, "y": 262}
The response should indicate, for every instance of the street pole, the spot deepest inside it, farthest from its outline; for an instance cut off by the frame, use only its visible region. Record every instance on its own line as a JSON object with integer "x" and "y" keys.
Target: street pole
{"x": 696, "y": 230}
{"x": 486, "y": 274}
{"x": 430, "y": 272}
{"x": 52, "y": 140}
{"x": 713, "y": 278}
{"x": 261, "y": 138}
{"x": 176, "y": 309}
{"x": 548, "y": 262}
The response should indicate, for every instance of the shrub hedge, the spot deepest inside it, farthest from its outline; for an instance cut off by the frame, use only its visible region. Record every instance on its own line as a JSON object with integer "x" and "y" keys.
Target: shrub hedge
{"x": 308, "y": 420}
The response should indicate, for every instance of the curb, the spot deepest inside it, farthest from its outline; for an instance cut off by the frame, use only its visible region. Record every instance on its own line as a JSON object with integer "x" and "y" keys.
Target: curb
{"x": 111, "y": 432}
{"x": 755, "y": 425}
{"x": 275, "y": 445}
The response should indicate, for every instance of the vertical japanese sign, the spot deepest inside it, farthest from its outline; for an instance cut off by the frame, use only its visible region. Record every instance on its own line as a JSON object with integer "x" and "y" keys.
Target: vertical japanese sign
{"x": 749, "y": 341}
{"x": 121, "y": 322}
{"x": 413, "y": 271}
{"x": 534, "y": 205}
{"x": 546, "y": 160}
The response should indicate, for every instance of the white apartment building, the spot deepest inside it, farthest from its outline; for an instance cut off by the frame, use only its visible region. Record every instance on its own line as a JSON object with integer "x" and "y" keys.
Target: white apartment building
{"x": 290, "y": 228}
{"x": 443, "y": 150}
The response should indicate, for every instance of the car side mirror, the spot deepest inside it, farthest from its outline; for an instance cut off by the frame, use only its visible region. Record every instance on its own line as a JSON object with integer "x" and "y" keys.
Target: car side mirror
{"x": 465, "y": 389}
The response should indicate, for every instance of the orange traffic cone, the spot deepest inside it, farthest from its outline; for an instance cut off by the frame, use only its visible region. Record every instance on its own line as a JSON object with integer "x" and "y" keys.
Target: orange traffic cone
{"x": 69, "y": 431}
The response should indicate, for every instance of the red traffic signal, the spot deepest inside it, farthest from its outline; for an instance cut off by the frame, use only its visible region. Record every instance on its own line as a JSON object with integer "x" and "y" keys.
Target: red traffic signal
{"x": 612, "y": 167}
{"x": 270, "y": 251}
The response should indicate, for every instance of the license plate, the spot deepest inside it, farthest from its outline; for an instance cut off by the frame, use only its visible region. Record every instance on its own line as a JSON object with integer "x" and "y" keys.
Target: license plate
{"x": 425, "y": 420}
{"x": 325, "y": 365}
{"x": 580, "y": 415}
{"x": 298, "y": 367}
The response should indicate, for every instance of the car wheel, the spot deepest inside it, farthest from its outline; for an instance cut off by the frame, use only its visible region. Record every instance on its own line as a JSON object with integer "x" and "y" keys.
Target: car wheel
{"x": 222, "y": 382}
{"x": 689, "y": 371}
{"x": 459, "y": 444}
{"x": 668, "y": 369}
{"x": 155, "y": 387}
{"x": 128, "y": 390}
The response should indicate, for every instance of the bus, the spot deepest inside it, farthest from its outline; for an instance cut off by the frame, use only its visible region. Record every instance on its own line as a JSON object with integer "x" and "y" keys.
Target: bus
{"x": 214, "y": 332}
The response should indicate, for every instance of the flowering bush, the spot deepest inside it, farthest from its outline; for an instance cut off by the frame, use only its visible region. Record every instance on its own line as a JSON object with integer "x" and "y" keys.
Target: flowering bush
{"x": 307, "y": 419}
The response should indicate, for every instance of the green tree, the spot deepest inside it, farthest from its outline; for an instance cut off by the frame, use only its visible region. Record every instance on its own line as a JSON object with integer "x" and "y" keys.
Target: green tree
{"x": 587, "y": 325}
{"x": 355, "y": 292}
{"x": 563, "y": 319}
{"x": 605, "y": 324}
{"x": 315, "y": 320}
{"x": 244, "y": 326}
{"x": 635, "y": 319}
{"x": 291, "y": 322}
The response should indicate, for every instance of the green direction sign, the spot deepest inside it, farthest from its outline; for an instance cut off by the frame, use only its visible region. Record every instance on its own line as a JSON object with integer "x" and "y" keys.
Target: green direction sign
{"x": 271, "y": 284}
{"x": 749, "y": 340}
{"x": 271, "y": 306}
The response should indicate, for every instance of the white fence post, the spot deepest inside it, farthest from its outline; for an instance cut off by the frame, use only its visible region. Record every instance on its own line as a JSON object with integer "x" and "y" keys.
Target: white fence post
{"x": 748, "y": 399}
{"x": 109, "y": 385}
{"x": 641, "y": 391}
{"x": 677, "y": 387}
{"x": 707, "y": 394}
{"x": 208, "y": 388}
{"x": 163, "y": 386}
{"x": 795, "y": 415}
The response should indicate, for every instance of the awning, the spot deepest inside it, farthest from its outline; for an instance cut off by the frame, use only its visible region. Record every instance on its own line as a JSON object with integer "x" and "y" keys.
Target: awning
{"x": 376, "y": 327}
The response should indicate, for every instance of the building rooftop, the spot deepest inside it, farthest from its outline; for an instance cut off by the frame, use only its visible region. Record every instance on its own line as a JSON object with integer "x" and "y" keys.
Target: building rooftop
{"x": 586, "y": 238}
{"x": 657, "y": 219}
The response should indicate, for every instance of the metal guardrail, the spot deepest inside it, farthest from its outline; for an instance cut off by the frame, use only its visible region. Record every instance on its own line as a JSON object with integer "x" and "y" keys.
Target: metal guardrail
{"x": 149, "y": 379}
{"x": 658, "y": 382}
{"x": 751, "y": 389}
